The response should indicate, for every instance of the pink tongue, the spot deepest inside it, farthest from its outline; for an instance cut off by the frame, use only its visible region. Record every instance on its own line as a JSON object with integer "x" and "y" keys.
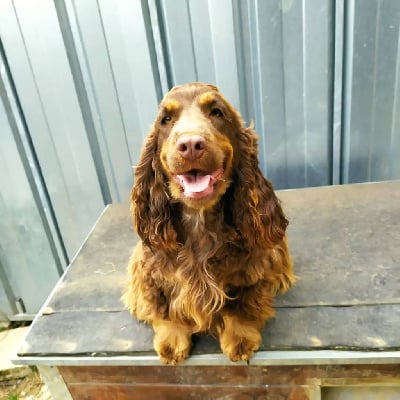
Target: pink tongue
{"x": 196, "y": 185}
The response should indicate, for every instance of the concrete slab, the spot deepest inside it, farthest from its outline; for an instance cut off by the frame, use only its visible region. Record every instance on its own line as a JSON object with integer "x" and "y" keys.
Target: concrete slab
{"x": 22, "y": 380}
{"x": 9, "y": 341}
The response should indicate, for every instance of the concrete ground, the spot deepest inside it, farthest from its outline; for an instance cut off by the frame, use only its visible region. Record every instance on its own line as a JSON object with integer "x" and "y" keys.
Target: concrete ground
{"x": 17, "y": 380}
{"x": 9, "y": 342}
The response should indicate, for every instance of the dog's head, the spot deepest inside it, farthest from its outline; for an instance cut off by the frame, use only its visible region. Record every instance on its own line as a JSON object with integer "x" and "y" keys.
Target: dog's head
{"x": 197, "y": 148}
{"x": 197, "y": 139}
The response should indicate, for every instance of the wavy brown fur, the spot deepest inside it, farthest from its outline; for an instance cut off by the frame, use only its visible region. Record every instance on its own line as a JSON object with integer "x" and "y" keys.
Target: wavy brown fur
{"x": 213, "y": 263}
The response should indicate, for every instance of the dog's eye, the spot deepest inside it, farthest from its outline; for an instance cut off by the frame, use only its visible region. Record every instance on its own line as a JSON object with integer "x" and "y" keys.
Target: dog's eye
{"x": 216, "y": 112}
{"x": 165, "y": 120}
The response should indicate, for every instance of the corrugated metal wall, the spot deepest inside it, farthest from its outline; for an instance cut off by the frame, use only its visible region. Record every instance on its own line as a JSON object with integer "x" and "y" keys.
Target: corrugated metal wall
{"x": 80, "y": 82}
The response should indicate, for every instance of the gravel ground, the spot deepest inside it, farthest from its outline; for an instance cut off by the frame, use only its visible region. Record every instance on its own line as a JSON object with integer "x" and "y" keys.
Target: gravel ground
{"x": 22, "y": 384}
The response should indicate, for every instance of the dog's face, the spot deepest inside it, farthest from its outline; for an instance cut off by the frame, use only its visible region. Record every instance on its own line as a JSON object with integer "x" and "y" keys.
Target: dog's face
{"x": 196, "y": 142}
{"x": 197, "y": 148}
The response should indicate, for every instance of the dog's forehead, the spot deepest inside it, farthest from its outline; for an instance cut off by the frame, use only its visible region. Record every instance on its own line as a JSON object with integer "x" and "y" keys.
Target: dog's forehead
{"x": 182, "y": 95}
{"x": 193, "y": 87}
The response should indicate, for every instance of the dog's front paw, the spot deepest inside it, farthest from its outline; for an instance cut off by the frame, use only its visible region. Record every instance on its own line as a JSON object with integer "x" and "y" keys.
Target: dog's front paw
{"x": 240, "y": 345}
{"x": 172, "y": 351}
{"x": 172, "y": 344}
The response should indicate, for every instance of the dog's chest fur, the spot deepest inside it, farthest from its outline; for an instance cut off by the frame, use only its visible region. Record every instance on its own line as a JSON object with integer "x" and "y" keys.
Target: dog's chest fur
{"x": 197, "y": 279}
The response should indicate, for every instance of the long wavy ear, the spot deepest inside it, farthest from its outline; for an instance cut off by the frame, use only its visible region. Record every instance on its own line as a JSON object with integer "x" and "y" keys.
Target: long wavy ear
{"x": 257, "y": 212}
{"x": 150, "y": 205}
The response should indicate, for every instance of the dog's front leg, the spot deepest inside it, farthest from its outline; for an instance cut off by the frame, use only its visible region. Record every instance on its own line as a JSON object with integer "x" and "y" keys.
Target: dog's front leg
{"x": 239, "y": 339}
{"x": 243, "y": 320}
{"x": 172, "y": 341}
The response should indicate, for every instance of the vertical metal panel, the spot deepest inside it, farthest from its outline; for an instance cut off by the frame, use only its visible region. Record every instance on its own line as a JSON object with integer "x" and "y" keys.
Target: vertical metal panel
{"x": 372, "y": 134}
{"x": 104, "y": 103}
{"x": 199, "y": 14}
{"x": 116, "y": 64}
{"x": 224, "y": 50}
{"x": 37, "y": 58}
{"x": 201, "y": 44}
{"x": 268, "y": 86}
{"x": 337, "y": 111}
{"x": 292, "y": 88}
{"x": 130, "y": 57}
{"x": 178, "y": 31}
{"x": 27, "y": 261}
{"x": 155, "y": 29}
{"x": 318, "y": 22}
{"x": 82, "y": 93}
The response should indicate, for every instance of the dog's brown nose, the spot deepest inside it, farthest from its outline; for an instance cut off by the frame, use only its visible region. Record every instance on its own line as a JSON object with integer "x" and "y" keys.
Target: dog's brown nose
{"x": 191, "y": 147}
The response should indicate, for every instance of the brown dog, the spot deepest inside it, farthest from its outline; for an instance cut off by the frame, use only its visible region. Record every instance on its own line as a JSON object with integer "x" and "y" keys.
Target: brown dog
{"x": 213, "y": 252}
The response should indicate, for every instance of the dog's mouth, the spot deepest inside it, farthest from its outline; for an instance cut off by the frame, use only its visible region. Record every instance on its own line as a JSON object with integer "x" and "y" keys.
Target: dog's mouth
{"x": 197, "y": 184}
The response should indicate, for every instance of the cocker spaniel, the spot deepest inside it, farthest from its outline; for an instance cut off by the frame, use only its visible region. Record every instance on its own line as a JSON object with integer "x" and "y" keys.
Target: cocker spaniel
{"x": 213, "y": 251}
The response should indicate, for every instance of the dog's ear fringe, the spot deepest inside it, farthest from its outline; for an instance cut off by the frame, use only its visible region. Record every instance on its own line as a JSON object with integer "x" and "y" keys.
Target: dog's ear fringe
{"x": 150, "y": 205}
{"x": 257, "y": 211}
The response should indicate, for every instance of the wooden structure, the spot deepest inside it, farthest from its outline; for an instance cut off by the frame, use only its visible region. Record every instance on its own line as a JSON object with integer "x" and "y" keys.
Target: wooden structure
{"x": 337, "y": 331}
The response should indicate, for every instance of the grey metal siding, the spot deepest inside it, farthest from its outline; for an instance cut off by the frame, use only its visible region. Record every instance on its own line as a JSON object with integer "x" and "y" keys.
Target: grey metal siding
{"x": 81, "y": 81}
{"x": 117, "y": 78}
{"x": 30, "y": 262}
{"x": 291, "y": 88}
{"x": 372, "y": 134}
{"x": 37, "y": 58}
